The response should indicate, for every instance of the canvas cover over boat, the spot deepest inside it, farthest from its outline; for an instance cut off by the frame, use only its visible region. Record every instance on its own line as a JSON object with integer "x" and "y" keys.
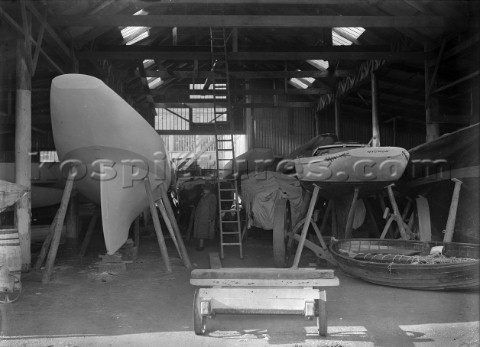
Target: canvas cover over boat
{"x": 261, "y": 190}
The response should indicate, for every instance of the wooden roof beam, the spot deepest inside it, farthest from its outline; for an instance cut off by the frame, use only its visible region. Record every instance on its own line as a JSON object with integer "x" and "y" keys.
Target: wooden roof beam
{"x": 250, "y": 74}
{"x": 20, "y": 30}
{"x": 176, "y": 92}
{"x": 135, "y": 53}
{"x": 253, "y": 21}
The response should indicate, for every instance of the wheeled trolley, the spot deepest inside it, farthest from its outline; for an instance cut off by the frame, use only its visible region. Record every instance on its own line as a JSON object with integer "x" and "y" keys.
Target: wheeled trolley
{"x": 261, "y": 291}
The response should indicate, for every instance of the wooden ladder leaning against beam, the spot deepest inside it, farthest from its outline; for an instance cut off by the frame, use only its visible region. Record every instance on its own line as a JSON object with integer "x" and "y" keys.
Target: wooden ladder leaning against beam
{"x": 230, "y": 225}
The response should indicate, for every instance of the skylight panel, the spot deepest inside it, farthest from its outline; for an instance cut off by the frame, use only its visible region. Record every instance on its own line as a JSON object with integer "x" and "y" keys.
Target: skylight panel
{"x": 319, "y": 64}
{"x": 297, "y": 83}
{"x": 154, "y": 82}
{"x": 147, "y": 63}
{"x": 139, "y": 37}
{"x": 338, "y": 40}
{"x": 348, "y": 32}
{"x": 134, "y": 34}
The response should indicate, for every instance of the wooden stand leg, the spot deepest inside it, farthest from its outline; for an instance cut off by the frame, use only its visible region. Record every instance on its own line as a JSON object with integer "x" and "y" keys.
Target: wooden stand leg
{"x": 52, "y": 254}
{"x": 176, "y": 229}
{"x": 72, "y": 220}
{"x": 396, "y": 213}
{"x": 88, "y": 236}
{"x": 136, "y": 232}
{"x": 452, "y": 213}
{"x": 46, "y": 244}
{"x": 303, "y": 235}
{"x": 334, "y": 219}
{"x": 190, "y": 223}
{"x": 156, "y": 224}
{"x": 164, "y": 214}
{"x": 351, "y": 215}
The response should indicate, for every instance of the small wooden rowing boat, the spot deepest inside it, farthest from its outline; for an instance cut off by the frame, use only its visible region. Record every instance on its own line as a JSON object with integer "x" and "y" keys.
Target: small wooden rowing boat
{"x": 409, "y": 264}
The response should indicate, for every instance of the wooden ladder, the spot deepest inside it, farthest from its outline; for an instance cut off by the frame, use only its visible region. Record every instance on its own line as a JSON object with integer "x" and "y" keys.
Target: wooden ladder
{"x": 227, "y": 187}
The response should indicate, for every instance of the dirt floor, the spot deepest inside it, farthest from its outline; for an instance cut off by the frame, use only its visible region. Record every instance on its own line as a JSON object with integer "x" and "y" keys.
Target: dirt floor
{"x": 146, "y": 306}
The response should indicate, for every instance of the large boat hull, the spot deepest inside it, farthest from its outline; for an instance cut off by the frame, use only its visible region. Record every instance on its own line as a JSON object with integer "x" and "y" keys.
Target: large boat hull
{"x": 113, "y": 147}
{"x": 445, "y": 276}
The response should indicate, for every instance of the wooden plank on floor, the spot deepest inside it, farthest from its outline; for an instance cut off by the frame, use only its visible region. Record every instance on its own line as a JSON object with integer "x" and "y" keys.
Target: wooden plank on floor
{"x": 215, "y": 262}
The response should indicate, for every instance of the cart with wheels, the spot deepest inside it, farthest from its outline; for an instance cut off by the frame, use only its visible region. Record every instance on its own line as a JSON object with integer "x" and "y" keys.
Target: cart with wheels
{"x": 261, "y": 291}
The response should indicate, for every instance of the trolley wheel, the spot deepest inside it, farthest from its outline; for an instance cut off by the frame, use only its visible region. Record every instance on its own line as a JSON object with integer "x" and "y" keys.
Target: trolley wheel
{"x": 9, "y": 297}
{"x": 199, "y": 321}
{"x": 322, "y": 317}
{"x": 281, "y": 226}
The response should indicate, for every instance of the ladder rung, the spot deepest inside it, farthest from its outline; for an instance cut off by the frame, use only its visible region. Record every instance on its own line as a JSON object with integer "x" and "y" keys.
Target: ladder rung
{"x": 230, "y": 221}
{"x": 232, "y": 244}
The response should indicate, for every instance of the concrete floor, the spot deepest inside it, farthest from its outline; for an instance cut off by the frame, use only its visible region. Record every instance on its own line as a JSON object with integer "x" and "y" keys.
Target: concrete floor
{"x": 148, "y": 307}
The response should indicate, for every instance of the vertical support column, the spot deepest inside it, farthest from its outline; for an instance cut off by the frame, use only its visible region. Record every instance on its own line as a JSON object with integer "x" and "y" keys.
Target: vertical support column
{"x": 235, "y": 40}
{"x": 23, "y": 144}
{"x": 338, "y": 118}
{"x": 432, "y": 129}
{"x": 250, "y": 120}
{"x": 375, "y": 111}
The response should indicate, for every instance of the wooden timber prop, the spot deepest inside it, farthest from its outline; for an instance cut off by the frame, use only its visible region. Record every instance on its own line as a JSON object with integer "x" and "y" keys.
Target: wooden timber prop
{"x": 52, "y": 240}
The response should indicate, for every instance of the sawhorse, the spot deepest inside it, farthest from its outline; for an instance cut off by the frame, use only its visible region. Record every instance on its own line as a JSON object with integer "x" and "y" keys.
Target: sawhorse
{"x": 261, "y": 291}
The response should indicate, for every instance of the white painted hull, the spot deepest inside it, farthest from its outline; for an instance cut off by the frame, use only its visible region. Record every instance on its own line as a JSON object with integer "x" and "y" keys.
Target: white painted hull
{"x": 92, "y": 124}
{"x": 370, "y": 168}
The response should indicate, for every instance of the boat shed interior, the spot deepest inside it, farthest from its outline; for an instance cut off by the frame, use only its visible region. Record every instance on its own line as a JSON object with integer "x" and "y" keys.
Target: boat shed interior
{"x": 305, "y": 144}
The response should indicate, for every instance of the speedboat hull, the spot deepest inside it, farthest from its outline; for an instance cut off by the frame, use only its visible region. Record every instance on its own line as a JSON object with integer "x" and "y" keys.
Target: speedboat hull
{"x": 368, "y": 168}
{"x": 113, "y": 148}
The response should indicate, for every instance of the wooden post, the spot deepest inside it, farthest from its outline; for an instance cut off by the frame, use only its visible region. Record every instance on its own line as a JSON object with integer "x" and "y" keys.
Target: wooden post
{"x": 396, "y": 213}
{"x": 88, "y": 235}
{"x": 62, "y": 211}
{"x": 351, "y": 215}
{"x": 375, "y": 112}
{"x": 303, "y": 235}
{"x": 338, "y": 118}
{"x": 433, "y": 129}
{"x": 46, "y": 244}
{"x": 164, "y": 214}
{"x": 72, "y": 220}
{"x": 156, "y": 224}
{"x": 176, "y": 229}
{"x": 452, "y": 213}
{"x": 334, "y": 219}
{"x": 136, "y": 232}
{"x": 23, "y": 144}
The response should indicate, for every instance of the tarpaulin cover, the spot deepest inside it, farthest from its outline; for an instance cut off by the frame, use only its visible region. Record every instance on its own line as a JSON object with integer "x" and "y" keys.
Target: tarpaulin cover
{"x": 260, "y": 191}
